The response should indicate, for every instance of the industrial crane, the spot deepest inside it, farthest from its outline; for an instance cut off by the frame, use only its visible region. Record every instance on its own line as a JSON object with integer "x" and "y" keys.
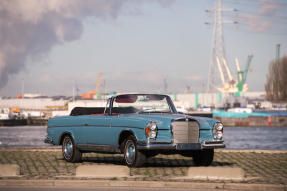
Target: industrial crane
{"x": 231, "y": 85}
{"x": 91, "y": 94}
{"x": 242, "y": 75}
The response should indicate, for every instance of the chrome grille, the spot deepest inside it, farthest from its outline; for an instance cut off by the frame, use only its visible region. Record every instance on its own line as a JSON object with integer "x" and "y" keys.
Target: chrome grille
{"x": 185, "y": 132}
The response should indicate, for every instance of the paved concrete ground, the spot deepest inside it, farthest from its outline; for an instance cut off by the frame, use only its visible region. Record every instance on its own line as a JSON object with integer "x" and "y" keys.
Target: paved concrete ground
{"x": 102, "y": 171}
{"x": 98, "y": 189}
{"x": 9, "y": 170}
{"x": 260, "y": 167}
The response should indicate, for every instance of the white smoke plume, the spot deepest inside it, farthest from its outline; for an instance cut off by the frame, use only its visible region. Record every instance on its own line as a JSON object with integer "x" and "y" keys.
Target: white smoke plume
{"x": 31, "y": 28}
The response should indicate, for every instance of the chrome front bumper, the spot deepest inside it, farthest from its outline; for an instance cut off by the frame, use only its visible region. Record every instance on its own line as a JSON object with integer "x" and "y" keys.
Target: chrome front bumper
{"x": 182, "y": 146}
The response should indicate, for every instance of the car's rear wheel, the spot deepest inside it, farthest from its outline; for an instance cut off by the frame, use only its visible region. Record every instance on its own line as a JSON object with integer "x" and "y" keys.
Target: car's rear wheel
{"x": 203, "y": 157}
{"x": 69, "y": 150}
{"x": 133, "y": 157}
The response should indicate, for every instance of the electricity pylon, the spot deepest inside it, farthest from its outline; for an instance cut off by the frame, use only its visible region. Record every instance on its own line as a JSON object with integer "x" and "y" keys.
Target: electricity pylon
{"x": 218, "y": 67}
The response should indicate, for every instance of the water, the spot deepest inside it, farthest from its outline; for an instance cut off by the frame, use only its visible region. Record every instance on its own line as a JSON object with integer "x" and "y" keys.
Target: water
{"x": 23, "y": 137}
{"x": 265, "y": 138}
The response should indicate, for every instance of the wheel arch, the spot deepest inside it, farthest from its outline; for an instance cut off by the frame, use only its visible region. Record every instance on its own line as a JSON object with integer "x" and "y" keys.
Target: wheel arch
{"x": 60, "y": 142}
{"x": 124, "y": 134}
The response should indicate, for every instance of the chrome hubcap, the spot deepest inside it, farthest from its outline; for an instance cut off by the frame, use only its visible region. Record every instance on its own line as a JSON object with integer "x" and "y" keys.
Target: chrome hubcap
{"x": 130, "y": 152}
{"x": 68, "y": 148}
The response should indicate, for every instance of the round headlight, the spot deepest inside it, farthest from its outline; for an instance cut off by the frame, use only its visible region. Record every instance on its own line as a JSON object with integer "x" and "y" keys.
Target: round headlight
{"x": 218, "y": 135}
{"x": 219, "y": 126}
{"x": 218, "y": 131}
{"x": 151, "y": 130}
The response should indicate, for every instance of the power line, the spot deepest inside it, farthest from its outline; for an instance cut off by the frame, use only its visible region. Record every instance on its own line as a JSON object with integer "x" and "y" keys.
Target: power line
{"x": 218, "y": 49}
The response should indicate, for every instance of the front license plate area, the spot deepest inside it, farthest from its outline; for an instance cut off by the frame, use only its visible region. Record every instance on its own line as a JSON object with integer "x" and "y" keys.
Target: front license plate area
{"x": 188, "y": 146}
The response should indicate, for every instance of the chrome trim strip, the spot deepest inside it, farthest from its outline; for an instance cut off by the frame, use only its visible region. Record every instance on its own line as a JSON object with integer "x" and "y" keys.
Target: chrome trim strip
{"x": 91, "y": 125}
{"x": 99, "y": 148}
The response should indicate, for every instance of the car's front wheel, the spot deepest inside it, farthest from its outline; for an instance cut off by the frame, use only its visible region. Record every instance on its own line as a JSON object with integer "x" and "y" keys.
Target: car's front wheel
{"x": 203, "y": 157}
{"x": 70, "y": 152}
{"x": 133, "y": 157}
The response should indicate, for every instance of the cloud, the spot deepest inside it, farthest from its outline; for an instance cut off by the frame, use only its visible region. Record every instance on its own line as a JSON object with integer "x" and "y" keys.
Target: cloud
{"x": 31, "y": 28}
{"x": 257, "y": 22}
{"x": 268, "y": 7}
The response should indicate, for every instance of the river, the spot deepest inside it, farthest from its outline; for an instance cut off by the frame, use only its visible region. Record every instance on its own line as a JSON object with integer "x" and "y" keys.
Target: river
{"x": 258, "y": 138}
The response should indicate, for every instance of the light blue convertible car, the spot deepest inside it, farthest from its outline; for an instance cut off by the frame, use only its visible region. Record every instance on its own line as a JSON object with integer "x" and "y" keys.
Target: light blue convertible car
{"x": 139, "y": 126}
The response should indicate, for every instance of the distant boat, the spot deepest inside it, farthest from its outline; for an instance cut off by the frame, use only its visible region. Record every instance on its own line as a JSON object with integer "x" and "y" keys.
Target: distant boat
{"x": 4, "y": 116}
{"x": 13, "y": 122}
{"x": 240, "y": 110}
{"x": 8, "y": 118}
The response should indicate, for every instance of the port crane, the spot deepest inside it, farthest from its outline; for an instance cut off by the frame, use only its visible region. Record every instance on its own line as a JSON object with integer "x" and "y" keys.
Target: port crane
{"x": 229, "y": 85}
{"x": 233, "y": 85}
{"x": 91, "y": 94}
{"x": 242, "y": 75}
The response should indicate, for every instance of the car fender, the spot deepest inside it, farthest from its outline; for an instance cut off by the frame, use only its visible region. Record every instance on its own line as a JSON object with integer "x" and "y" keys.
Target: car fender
{"x": 62, "y": 136}
{"x": 125, "y": 131}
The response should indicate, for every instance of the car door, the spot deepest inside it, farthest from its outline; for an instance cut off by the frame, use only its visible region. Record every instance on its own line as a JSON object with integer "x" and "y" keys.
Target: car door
{"x": 94, "y": 130}
{"x": 116, "y": 127}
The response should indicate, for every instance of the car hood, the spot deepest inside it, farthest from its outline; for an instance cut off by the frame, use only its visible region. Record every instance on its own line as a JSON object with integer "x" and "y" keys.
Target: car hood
{"x": 164, "y": 120}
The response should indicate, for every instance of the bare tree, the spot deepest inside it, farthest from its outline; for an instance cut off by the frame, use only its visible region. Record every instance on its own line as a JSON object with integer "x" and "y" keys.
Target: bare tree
{"x": 276, "y": 83}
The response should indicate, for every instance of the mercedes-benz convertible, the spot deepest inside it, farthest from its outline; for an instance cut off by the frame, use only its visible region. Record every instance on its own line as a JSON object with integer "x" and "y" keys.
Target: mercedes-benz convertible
{"x": 139, "y": 126}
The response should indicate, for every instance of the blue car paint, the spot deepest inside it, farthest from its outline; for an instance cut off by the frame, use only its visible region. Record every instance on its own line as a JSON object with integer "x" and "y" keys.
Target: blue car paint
{"x": 105, "y": 130}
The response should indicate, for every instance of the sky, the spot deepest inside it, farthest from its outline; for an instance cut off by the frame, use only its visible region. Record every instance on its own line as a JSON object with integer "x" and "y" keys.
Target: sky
{"x": 135, "y": 44}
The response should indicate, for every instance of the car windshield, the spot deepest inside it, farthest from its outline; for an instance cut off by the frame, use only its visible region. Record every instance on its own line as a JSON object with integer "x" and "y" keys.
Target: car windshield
{"x": 142, "y": 104}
